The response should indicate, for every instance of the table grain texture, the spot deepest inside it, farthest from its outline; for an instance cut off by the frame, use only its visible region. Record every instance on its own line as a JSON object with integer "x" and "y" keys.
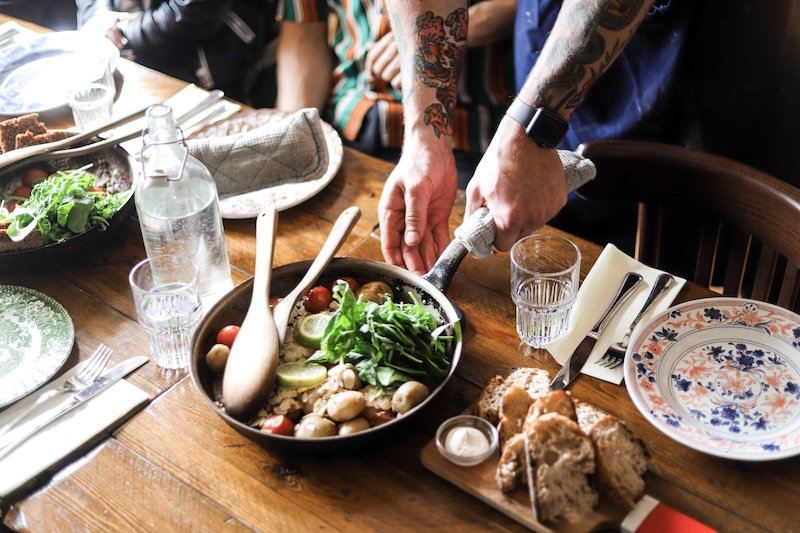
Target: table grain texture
{"x": 176, "y": 466}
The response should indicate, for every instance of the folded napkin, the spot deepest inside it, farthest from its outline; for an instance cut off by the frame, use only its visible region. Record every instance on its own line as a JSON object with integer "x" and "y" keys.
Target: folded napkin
{"x": 36, "y": 459}
{"x": 292, "y": 150}
{"x": 594, "y": 297}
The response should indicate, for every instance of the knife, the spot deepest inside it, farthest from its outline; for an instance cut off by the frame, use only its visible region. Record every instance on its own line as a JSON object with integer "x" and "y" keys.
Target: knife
{"x": 17, "y": 436}
{"x": 572, "y": 367}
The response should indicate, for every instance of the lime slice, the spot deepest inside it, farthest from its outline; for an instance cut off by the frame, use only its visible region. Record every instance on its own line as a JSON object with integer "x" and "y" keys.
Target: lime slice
{"x": 310, "y": 329}
{"x": 300, "y": 375}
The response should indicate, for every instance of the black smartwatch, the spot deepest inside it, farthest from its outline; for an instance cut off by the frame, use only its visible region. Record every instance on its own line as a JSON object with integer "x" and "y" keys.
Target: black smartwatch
{"x": 543, "y": 126}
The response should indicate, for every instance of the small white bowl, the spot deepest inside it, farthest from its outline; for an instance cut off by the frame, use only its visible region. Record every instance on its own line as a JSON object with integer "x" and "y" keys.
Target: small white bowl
{"x": 465, "y": 421}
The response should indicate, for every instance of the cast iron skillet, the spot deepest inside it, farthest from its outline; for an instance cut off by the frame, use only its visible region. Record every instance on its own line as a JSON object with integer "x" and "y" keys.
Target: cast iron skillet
{"x": 56, "y": 254}
{"x": 231, "y": 309}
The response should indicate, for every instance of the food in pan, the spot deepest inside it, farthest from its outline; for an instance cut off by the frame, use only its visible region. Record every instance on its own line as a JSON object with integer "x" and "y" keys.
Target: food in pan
{"x": 351, "y": 365}
{"x": 55, "y": 208}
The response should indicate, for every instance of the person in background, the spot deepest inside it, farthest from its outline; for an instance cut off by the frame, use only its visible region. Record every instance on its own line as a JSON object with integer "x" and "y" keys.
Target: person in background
{"x": 216, "y": 44}
{"x": 562, "y": 49}
{"x": 56, "y": 15}
{"x": 352, "y": 75}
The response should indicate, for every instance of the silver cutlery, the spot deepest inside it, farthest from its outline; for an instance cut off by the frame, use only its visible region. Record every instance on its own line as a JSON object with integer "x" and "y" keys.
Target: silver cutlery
{"x": 19, "y": 435}
{"x": 615, "y": 354}
{"x": 574, "y": 364}
{"x": 83, "y": 378}
{"x": 7, "y": 37}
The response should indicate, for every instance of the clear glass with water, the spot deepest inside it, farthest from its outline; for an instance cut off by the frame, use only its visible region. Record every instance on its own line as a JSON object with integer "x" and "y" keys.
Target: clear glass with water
{"x": 545, "y": 274}
{"x": 178, "y": 207}
{"x": 170, "y": 314}
{"x": 166, "y": 290}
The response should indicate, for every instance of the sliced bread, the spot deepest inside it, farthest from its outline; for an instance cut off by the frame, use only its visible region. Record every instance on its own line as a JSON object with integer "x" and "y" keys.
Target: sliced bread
{"x": 563, "y": 459}
{"x": 516, "y": 403}
{"x": 490, "y": 402}
{"x": 621, "y": 461}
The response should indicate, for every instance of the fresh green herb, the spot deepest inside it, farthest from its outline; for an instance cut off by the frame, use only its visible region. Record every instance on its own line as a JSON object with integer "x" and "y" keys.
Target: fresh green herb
{"x": 62, "y": 206}
{"x": 388, "y": 343}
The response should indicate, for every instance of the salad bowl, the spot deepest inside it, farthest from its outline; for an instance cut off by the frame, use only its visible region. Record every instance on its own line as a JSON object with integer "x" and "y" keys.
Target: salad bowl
{"x": 112, "y": 165}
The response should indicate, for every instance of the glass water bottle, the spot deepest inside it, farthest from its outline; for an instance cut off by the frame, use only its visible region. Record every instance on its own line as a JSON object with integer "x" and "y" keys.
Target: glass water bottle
{"x": 177, "y": 204}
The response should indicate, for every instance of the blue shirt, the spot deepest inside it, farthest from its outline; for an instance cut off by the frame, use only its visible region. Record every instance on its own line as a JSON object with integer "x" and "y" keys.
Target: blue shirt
{"x": 632, "y": 98}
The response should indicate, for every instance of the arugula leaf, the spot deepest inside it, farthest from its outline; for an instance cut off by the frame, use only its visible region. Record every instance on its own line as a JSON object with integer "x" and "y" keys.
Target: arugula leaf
{"x": 388, "y": 343}
{"x": 62, "y": 206}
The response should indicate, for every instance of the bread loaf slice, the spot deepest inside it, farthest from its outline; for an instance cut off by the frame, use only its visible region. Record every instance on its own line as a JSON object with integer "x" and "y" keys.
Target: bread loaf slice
{"x": 553, "y": 402}
{"x": 621, "y": 461}
{"x": 563, "y": 459}
{"x": 516, "y": 403}
{"x": 490, "y": 402}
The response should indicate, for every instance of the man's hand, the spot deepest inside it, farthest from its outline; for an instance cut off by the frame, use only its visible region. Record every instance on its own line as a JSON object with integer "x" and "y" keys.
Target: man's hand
{"x": 383, "y": 61}
{"x": 521, "y": 184}
{"x": 415, "y": 207}
{"x": 105, "y": 23}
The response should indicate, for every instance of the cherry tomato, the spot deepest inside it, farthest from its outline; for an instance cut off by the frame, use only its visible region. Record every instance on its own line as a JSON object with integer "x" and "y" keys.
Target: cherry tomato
{"x": 376, "y": 416}
{"x": 23, "y": 190}
{"x": 11, "y": 205}
{"x": 278, "y": 425}
{"x": 32, "y": 175}
{"x": 317, "y": 299}
{"x": 227, "y": 335}
{"x": 353, "y": 284}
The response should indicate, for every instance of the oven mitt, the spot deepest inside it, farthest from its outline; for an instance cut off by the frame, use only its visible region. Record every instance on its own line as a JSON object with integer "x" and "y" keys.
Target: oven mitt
{"x": 292, "y": 150}
{"x": 476, "y": 234}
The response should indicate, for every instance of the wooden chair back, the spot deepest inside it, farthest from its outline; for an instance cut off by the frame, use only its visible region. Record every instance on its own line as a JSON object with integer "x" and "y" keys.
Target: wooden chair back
{"x": 746, "y": 223}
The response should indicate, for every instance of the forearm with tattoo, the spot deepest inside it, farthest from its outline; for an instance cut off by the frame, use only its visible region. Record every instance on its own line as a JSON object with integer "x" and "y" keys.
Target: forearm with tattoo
{"x": 437, "y": 63}
{"x": 587, "y": 38}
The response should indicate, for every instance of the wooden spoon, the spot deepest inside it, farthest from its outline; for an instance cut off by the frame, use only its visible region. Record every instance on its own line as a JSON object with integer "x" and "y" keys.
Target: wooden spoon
{"x": 341, "y": 229}
{"x": 253, "y": 361}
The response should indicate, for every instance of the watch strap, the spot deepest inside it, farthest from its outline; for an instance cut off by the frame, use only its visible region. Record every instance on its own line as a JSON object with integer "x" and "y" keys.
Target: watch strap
{"x": 542, "y": 125}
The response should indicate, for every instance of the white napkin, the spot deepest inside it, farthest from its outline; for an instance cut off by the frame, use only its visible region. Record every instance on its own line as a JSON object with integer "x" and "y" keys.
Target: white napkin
{"x": 594, "y": 297}
{"x": 180, "y": 103}
{"x": 35, "y": 457}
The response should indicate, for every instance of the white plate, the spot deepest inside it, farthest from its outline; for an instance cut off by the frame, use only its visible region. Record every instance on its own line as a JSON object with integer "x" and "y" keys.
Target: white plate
{"x": 250, "y": 204}
{"x": 37, "y": 71}
{"x": 36, "y": 336}
{"x": 722, "y": 376}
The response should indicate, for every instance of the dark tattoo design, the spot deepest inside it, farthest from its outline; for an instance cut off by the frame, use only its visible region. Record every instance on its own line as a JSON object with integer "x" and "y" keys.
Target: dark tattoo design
{"x": 438, "y": 62}
{"x": 581, "y": 55}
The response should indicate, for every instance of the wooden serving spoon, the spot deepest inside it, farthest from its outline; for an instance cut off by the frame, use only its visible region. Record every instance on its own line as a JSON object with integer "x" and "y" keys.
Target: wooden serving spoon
{"x": 253, "y": 361}
{"x": 341, "y": 229}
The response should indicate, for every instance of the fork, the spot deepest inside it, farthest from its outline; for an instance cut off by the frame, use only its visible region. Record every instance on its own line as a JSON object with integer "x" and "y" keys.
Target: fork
{"x": 615, "y": 354}
{"x": 90, "y": 372}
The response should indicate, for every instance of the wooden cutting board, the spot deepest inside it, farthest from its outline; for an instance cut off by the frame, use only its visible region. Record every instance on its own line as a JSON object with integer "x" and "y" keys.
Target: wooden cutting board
{"x": 479, "y": 481}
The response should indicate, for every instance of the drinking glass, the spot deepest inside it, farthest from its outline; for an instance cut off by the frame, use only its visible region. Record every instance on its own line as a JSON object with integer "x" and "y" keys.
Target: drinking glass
{"x": 92, "y": 105}
{"x": 166, "y": 290}
{"x": 545, "y": 273}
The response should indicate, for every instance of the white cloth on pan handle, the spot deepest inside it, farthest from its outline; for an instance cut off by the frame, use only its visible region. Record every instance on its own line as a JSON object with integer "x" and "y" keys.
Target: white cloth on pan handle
{"x": 478, "y": 231}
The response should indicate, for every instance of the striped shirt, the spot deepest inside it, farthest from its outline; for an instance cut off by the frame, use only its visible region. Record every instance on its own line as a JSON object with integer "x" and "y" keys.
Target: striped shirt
{"x": 485, "y": 86}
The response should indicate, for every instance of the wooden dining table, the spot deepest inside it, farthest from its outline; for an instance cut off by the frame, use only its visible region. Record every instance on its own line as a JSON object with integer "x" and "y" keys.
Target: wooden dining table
{"x": 175, "y": 465}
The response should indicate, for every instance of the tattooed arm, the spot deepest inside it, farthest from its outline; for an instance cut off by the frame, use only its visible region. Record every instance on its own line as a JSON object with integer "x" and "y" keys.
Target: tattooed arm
{"x": 418, "y": 196}
{"x": 522, "y": 184}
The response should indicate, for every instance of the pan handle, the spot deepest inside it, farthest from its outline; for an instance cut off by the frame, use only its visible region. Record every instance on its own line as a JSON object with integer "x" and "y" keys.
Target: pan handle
{"x": 476, "y": 234}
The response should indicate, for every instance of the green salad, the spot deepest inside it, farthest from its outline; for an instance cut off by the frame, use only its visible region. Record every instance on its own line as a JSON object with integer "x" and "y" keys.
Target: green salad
{"x": 62, "y": 206}
{"x": 388, "y": 343}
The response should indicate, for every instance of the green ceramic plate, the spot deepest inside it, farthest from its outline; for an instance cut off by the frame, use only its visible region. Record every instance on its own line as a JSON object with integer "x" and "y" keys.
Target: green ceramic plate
{"x": 36, "y": 336}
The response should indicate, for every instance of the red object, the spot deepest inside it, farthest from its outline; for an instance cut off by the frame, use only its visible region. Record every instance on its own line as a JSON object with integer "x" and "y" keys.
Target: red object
{"x": 652, "y": 516}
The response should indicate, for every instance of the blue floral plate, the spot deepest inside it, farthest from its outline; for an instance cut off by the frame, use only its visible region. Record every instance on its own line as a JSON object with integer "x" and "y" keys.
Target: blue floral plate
{"x": 722, "y": 376}
{"x": 38, "y": 71}
{"x": 36, "y": 336}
